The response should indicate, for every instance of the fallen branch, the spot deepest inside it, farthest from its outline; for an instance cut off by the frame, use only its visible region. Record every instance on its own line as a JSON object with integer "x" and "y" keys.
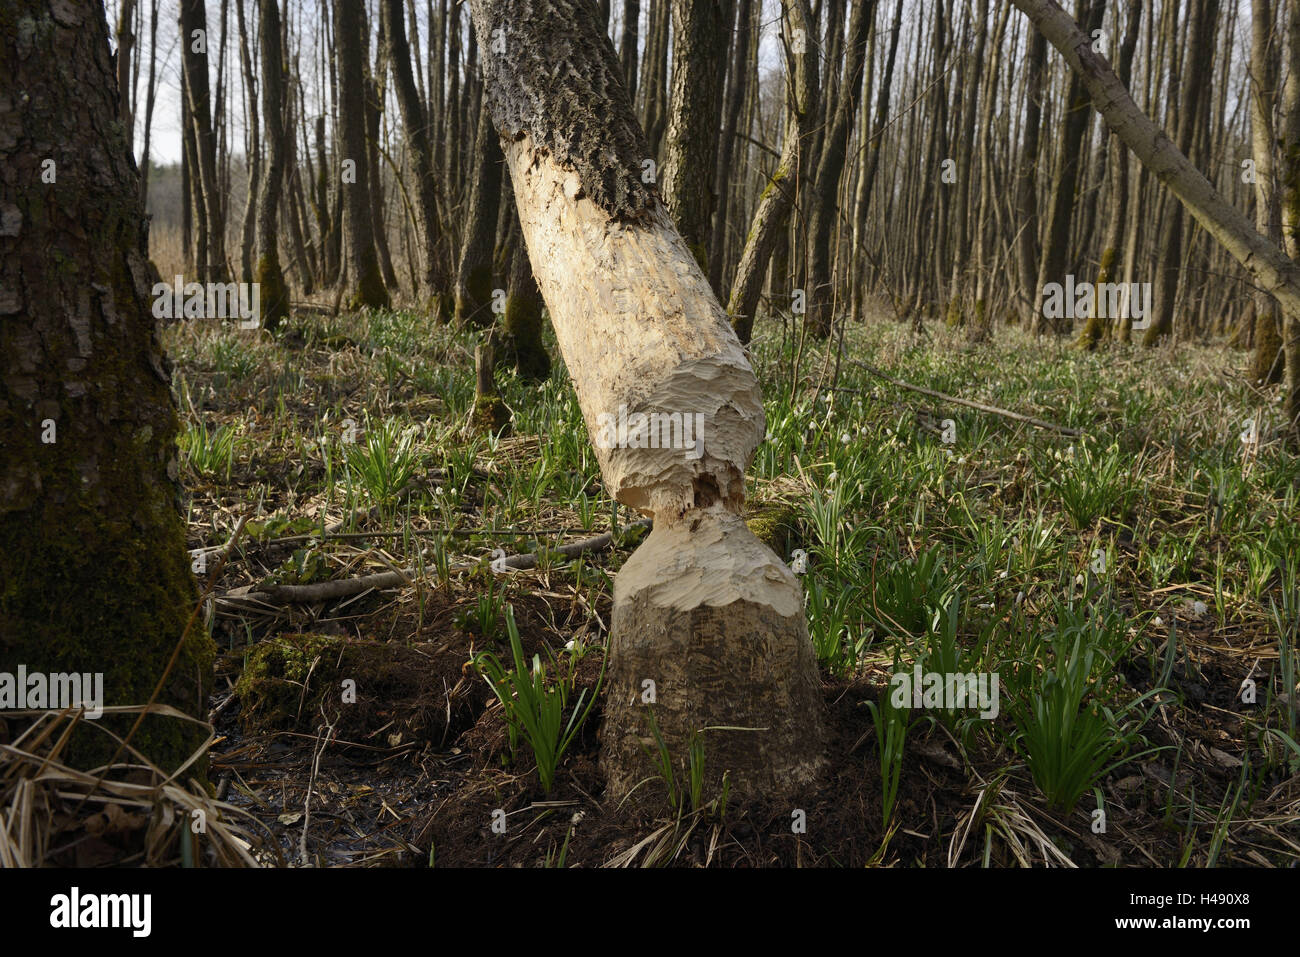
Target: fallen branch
{"x": 980, "y": 406}
{"x": 346, "y": 587}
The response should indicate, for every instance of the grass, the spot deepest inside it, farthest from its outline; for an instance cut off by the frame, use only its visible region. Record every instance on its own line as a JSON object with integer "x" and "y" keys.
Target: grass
{"x": 979, "y": 555}
{"x": 534, "y": 706}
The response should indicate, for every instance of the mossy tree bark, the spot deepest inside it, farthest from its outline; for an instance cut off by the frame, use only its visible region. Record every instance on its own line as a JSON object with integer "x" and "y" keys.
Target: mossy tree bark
{"x": 369, "y": 291}
{"x": 705, "y": 616}
{"x": 778, "y": 196}
{"x": 474, "y": 272}
{"x": 94, "y": 576}
{"x": 274, "y": 294}
{"x": 1098, "y": 327}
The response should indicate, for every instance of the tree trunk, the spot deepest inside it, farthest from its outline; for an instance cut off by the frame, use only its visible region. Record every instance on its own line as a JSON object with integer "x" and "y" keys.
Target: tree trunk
{"x": 1291, "y": 215}
{"x": 417, "y": 139}
{"x": 737, "y": 90}
{"x": 1266, "y": 364}
{"x": 1186, "y": 94}
{"x": 194, "y": 61}
{"x": 474, "y": 274}
{"x": 523, "y": 317}
{"x": 708, "y": 627}
{"x": 826, "y": 187}
{"x": 369, "y": 291}
{"x": 778, "y": 196}
{"x": 1098, "y": 326}
{"x": 1052, "y": 268}
{"x": 1027, "y": 245}
{"x": 691, "y": 148}
{"x": 94, "y": 565}
{"x": 274, "y": 292}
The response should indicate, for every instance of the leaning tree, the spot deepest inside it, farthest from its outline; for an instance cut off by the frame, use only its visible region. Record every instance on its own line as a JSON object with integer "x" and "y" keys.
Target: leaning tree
{"x": 708, "y": 634}
{"x": 94, "y": 576}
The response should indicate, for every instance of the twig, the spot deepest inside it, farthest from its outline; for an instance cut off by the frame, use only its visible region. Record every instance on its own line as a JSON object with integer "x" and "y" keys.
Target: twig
{"x": 1005, "y": 413}
{"x": 345, "y": 587}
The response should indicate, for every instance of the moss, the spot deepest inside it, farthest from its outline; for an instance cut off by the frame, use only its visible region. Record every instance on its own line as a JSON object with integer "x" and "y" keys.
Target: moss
{"x": 776, "y": 525}
{"x": 370, "y": 292}
{"x": 523, "y": 341}
{"x": 1265, "y": 365}
{"x": 490, "y": 414}
{"x": 1095, "y": 329}
{"x": 271, "y": 689}
{"x": 273, "y": 293}
{"x": 289, "y": 680}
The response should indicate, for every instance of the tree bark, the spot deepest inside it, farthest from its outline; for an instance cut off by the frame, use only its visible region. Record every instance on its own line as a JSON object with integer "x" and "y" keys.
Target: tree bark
{"x": 691, "y": 148}
{"x": 778, "y": 196}
{"x": 1098, "y": 327}
{"x": 369, "y": 291}
{"x": 417, "y": 138}
{"x": 830, "y": 167}
{"x": 474, "y": 273}
{"x": 95, "y": 572}
{"x": 702, "y": 610}
{"x": 274, "y": 292}
{"x": 194, "y": 61}
{"x": 1052, "y": 267}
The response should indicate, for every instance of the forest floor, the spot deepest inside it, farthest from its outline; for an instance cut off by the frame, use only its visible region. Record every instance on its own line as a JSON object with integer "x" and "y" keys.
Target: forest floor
{"x": 1133, "y": 588}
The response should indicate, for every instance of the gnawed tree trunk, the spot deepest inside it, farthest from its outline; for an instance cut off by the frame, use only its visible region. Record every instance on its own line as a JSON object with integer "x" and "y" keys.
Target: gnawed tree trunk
{"x": 1268, "y": 264}
{"x": 94, "y": 569}
{"x": 708, "y": 631}
{"x": 778, "y": 196}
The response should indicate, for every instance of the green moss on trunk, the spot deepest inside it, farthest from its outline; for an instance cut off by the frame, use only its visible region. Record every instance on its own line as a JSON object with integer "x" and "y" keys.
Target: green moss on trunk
{"x": 273, "y": 293}
{"x": 370, "y": 292}
{"x": 523, "y": 326}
